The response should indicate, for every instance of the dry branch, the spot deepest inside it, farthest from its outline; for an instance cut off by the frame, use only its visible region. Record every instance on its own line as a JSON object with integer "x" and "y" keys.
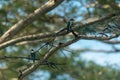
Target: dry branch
{"x": 51, "y": 4}
{"x": 53, "y": 50}
{"x": 49, "y": 35}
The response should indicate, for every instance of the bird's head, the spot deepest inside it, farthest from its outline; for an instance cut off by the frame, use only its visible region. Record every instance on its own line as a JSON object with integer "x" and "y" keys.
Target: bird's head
{"x": 32, "y": 50}
{"x": 71, "y": 20}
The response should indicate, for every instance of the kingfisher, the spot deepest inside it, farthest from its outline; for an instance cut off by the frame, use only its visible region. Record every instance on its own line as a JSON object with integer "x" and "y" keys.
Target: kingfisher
{"x": 33, "y": 56}
{"x": 69, "y": 24}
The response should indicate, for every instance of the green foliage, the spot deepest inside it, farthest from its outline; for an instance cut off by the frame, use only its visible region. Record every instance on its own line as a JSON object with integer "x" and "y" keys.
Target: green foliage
{"x": 13, "y": 10}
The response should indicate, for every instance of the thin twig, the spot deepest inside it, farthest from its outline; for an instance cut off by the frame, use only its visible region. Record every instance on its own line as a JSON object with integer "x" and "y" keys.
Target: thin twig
{"x": 49, "y": 35}
{"x": 52, "y": 51}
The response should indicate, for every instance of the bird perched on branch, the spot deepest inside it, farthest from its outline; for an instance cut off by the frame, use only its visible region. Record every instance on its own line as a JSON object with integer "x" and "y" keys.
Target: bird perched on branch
{"x": 69, "y": 29}
{"x": 69, "y": 24}
{"x": 33, "y": 55}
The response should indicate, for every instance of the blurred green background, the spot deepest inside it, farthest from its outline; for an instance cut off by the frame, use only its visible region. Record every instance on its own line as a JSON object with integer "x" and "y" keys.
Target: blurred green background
{"x": 71, "y": 65}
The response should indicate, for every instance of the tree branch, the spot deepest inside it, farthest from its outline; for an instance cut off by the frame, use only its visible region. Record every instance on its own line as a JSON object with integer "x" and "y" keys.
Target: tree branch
{"x": 51, "y": 4}
{"x": 53, "y": 50}
{"x": 49, "y": 35}
{"x": 112, "y": 42}
{"x": 25, "y": 38}
{"x": 39, "y": 36}
{"x": 97, "y": 21}
{"x": 14, "y": 57}
{"x": 99, "y": 51}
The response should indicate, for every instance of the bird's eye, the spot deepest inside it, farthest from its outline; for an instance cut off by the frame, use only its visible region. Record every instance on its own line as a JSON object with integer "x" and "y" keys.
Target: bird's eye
{"x": 32, "y": 50}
